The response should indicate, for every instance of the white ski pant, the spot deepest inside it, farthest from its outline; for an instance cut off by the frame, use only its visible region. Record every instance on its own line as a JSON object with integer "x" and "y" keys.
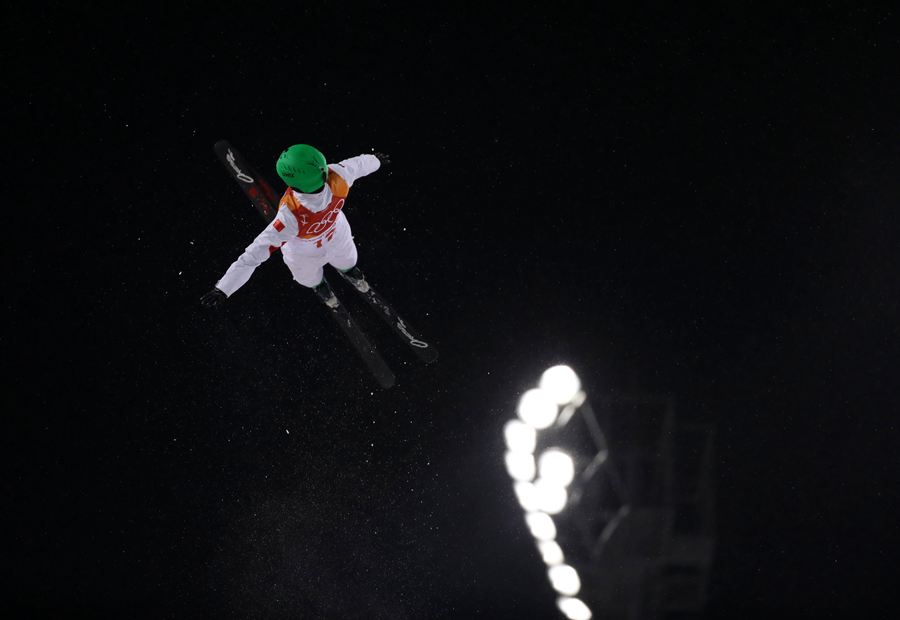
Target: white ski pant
{"x": 306, "y": 258}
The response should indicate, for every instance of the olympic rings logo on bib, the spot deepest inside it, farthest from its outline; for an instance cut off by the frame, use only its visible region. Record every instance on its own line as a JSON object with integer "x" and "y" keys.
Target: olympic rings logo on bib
{"x": 325, "y": 222}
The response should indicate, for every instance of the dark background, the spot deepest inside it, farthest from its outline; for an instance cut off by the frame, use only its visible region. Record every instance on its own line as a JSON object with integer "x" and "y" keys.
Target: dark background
{"x": 686, "y": 202}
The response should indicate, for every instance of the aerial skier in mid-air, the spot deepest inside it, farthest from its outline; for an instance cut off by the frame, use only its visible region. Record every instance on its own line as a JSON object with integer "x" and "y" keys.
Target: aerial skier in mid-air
{"x": 310, "y": 227}
{"x": 311, "y": 230}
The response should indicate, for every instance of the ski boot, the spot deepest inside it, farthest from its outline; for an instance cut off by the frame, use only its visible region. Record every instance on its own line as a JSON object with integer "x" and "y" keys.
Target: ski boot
{"x": 323, "y": 290}
{"x": 355, "y": 277}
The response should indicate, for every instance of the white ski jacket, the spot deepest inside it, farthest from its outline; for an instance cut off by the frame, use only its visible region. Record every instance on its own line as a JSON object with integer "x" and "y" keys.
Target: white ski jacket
{"x": 301, "y": 218}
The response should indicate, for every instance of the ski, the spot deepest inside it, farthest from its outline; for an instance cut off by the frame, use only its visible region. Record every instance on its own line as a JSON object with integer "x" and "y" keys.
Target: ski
{"x": 370, "y": 357}
{"x": 266, "y": 202}
{"x": 413, "y": 339}
{"x": 253, "y": 185}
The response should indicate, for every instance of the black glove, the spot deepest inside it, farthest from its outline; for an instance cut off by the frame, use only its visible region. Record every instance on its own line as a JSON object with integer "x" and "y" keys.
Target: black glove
{"x": 384, "y": 158}
{"x": 213, "y": 298}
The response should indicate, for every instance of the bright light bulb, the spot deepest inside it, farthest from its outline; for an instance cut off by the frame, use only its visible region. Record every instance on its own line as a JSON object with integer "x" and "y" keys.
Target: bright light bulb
{"x": 520, "y": 437}
{"x": 573, "y": 608}
{"x": 537, "y": 408}
{"x": 561, "y": 383}
{"x": 541, "y": 525}
{"x": 551, "y": 497}
{"x": 527, "y": 495}
{"x": 520, "y": 465}
{"x": 557, "y": 466}
{"x": 564, "y": 579}
{"x": 551, "y": 552}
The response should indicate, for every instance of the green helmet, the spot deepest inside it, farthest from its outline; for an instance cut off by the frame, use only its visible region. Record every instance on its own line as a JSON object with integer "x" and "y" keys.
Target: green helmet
{"x": 303, "y": 168}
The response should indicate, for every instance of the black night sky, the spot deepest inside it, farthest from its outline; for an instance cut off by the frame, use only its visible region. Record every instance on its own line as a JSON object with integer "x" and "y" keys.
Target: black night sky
{"x": 676, "y": 201}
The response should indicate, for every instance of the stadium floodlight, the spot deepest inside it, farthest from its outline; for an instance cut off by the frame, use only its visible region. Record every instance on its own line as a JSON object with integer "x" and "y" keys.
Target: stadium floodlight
{"x": 538, "y": 408}
{"x": 551, "y": 552}
{"x": 554, "y": 401}
{"x": 520, "y": 466}
{"x": 573, "y": 608}
{"x": 556, "y": 466}
{"x": 541, "y": 525}
{"x": 564, "y": 579}
{"x": 561, "y": 383}
{"x": 520, "y": 437}
{"x": 527, "y": 495}
{"x": 551, "y": 497}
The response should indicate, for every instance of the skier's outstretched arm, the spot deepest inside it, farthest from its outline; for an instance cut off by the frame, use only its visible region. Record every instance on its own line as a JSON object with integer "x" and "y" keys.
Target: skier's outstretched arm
{"x": 359, "y": 166}
{"x": 278, "y": 232}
